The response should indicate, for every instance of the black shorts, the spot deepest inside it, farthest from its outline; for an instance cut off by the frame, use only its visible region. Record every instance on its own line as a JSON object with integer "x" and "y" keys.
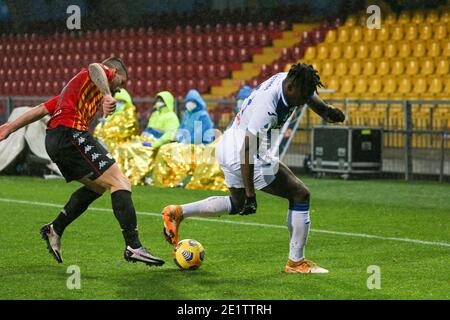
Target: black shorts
{"x": 77, "y": 154}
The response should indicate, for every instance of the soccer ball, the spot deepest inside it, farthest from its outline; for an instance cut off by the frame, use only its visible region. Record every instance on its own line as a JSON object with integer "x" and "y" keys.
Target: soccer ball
{"x": 189, "y": 254}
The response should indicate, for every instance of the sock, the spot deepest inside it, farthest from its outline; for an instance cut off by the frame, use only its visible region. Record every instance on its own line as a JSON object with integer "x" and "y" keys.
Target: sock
{"x": 298, "y": 222}
{"x": 78, "y": 203}
{"x": 210, "y": 207}
{"x": 125, "y": 213}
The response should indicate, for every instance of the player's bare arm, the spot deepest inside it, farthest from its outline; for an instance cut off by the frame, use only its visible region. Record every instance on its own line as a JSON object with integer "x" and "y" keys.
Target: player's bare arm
{"x": 248, "y": 171}
{"x": 327, "y": 112}
{"x": 31, "y": 116}
{"x": 98, "y": 76}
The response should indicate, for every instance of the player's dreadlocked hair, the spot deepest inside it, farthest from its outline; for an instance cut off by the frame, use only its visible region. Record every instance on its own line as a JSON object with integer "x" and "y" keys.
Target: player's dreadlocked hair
{"x": 114, "y": 62}
{"x": 305, "y": 77}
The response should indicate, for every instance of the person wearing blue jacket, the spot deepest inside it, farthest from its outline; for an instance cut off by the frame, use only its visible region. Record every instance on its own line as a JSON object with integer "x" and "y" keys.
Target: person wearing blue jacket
{"x": 196, "y": 121}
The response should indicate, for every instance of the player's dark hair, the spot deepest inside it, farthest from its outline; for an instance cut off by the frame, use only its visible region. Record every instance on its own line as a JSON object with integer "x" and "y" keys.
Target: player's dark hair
{"x": 305, "y": 77}
{"x": 114, "y": 62}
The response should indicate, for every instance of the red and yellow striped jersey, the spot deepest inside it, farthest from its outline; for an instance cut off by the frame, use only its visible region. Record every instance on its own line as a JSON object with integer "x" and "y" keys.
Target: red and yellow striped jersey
{"x": 77, "y": 104}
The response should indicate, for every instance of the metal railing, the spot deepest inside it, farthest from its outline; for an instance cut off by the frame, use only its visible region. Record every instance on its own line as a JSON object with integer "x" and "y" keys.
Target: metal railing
{"x": 416, "y": 132}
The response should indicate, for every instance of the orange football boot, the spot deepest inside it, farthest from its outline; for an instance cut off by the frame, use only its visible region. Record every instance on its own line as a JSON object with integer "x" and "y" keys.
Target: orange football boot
{"x": 172, "y": 216}
{"x": 303, "y": 266}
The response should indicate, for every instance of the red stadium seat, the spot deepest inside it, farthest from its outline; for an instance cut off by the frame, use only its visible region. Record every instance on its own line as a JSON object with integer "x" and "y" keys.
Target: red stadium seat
{"x": 209, "y": 41}
{"x": 232, "y": 56}
{"x": 178, "y": 72}
{"x": 189, "y": 71}
{"x": 220, "y": 55}
{"x": 200, "y": 71}
{"x": 219, "y": 41}
{"x": 199, "y": 57}
{"x": 222, "y": 72}
{"x": 179, "y": 57}
{"x": 211, "y": 72}
{"x": 202, "y": 86}
{"x": 168, "y": 71}
{"x": 210, "y": 56}
{"x": 189, "y": 56}
{"x": 179, "y": 44}
{"x": 230, "y": 41}
{"x": 159, "y": 58}
{"x": 198, "y": 42}
{"x": 149, "y": 71}
{"x": 159, "y": 72}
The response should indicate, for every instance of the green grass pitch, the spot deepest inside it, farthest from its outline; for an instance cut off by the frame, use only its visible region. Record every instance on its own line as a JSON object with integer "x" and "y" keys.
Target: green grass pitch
{"x": 244, "y": 258}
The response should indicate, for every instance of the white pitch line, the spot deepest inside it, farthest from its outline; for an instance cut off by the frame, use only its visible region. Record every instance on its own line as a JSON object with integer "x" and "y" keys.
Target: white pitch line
{"x": 252, "y": 224}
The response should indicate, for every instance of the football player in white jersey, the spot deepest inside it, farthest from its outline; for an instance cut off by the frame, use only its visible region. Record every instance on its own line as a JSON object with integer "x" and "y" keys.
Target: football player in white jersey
{"x": 247, "y": 162}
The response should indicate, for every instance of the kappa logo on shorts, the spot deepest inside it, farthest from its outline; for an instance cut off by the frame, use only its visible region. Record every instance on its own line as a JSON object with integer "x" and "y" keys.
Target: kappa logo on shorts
{"x": 87, "y": 148}
{"x": 102, "y": 164}
{"x": 76, "y": 135}
{"x": 109, "y": 155}
{"x": 81, "y": 140}
{"x": 95, "y": 156}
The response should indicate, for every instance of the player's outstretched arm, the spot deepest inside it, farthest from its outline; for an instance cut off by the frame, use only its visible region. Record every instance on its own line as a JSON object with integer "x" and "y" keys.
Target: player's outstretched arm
{"x": 327, "y": 112}
{"x": 28, "y": 117}
{"x": 98, "y": 76}
{"x": 248, "y": 172}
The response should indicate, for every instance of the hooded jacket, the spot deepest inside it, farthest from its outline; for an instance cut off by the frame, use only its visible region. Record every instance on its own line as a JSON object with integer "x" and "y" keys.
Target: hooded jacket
{"x": 199, "y": 115}
{"x": 120, "y": 126}
{"x": 163, "y": 123}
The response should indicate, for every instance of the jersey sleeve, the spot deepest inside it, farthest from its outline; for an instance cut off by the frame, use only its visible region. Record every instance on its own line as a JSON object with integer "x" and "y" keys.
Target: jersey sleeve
{"x": 50, "y": 105}
{"x": 108, "y": 71}
{"x": 263, "y": 114}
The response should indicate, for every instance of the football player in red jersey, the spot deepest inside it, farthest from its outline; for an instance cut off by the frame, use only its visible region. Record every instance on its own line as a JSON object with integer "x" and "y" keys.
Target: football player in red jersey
{"x": 80, "y": 157}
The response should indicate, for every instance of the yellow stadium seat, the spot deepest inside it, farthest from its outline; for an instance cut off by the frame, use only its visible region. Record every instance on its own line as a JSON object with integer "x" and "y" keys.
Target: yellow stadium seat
{"x": 442, "y": 66}
{"x": 375, "y": 86}
{"x": 333, "y": 84}
{"x": 346, "y": 86}
{"x": 445, "y": 17}
{"x": 369, "y": 68}
{"x": 426, "y": 32}
{"x": 335, "y": 51}
{"x": 435, "y": 86}
{"x": 404, "y": 49}
{"x": 397, "y": 32}
{"x": 446, "y": 48}
{"x": 440, "y": 32}
{"x": 398, "y": 67}
{"x": 411, "y": 32}
{"x": 383, "y": 68}
{"x": 427, "y": 67}
{"x": 330, "y": 37}
{"x": 355, "y": 68}
{"x": 434, "y": 48}
{"x": 390, "y": 86}
{"x": 432, "y": 17}
{"x": 310, "y": 54}
{"x": 362, "y": 51}
{"x": 343, "y": 35}
{"x": 390, "y": 19}
{"x": 420, "y": 86}
{"x": 446, "y": 90}
{"x": 382, "y": 34}
{"x": 418, "y": 17}
{"x": 404, "y": 86}
{"x": 404, "y": 17}
{"x": 390, "y": 50}
{"x": 322, "y": 51}
{"x": 376, "y": 51}
{"x": 327, "y": 69}
{"x": 341, "y": 68}
{"x": 356, "y": 34}
{"x": 349, "y": 51}
{"x": 370, "y": 34}
{"x": 351, "y": 21}
{"x": 419, "y": 49}
{"x": 361, "y": 86}
{"x": 412, "y": 67}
